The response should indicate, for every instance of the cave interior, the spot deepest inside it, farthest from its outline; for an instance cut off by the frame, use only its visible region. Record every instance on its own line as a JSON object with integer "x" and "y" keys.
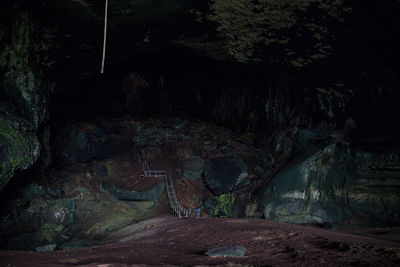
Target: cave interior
{"x": 264, "y": 110}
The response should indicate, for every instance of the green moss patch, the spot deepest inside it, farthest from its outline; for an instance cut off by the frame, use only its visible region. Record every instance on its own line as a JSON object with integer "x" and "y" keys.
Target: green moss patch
{"x": 116, "y": 216}
{"x": 18, "y": 150}
{"x": 225, "y": 206}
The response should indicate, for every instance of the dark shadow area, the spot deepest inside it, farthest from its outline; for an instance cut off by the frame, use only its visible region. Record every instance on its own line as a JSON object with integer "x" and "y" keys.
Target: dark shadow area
{"x": 178, "y": 82}
{"x": 13, "y": 188}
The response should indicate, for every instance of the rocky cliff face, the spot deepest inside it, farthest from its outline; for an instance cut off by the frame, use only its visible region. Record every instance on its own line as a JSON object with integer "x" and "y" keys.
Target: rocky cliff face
{"x": 23, "y": 98}
{"x": 96, "y": 188}
{"x": 335, "y": 186}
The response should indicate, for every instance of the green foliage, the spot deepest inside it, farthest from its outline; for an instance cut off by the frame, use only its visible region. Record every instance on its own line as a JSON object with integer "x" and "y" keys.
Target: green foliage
{"x": 294, "y": 32}
{"x": 50, "y": 231}
{"x": 225, "y": 205}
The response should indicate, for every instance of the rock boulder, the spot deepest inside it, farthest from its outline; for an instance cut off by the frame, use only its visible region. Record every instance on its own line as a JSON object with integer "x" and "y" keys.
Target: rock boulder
{"x": 336, "y": 186}
{"x": 193, "y": 168}
{"x": 225, "y": 174}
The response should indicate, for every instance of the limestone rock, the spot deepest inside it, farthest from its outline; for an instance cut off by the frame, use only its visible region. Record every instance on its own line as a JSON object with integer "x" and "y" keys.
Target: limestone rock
{"x": 85, "y": 143}
{"x": 123, "y": 194}
{"x": 18, "y": 149}
{"x": 46, "y": 248}
{"x": 25, "y": 109}
{"x": 236, "y": 251}
{"x": 225, "y": 174}
{"x": 336, "y": 185}
{"x": 193, "y": 168}
{"x": 59, "y": 211}
{"x": 283, "y": 145}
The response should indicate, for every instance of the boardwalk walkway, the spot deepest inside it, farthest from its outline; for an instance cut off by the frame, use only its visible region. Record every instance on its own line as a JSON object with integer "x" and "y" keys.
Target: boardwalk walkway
{"x": 177, "y": 208}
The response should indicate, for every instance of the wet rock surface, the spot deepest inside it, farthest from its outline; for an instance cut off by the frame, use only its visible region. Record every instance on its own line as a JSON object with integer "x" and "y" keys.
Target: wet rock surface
{"x": 337, "y": 185}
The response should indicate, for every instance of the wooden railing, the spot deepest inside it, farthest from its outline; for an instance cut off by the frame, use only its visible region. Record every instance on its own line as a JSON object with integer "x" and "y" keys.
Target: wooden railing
{"x": 176, "y": 207}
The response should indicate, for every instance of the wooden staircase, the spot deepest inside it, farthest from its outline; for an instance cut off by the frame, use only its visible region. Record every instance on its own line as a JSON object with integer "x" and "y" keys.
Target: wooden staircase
{"x": 176, "y": 207}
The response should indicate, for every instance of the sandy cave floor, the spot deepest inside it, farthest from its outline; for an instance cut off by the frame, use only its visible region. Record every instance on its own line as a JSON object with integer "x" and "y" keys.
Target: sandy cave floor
{"x": 169, "y": 241}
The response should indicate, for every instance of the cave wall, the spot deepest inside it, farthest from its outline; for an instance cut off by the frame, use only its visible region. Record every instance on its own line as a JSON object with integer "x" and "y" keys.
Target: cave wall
{"x": 23, "y": 94}
{"x": 41, "y": 53}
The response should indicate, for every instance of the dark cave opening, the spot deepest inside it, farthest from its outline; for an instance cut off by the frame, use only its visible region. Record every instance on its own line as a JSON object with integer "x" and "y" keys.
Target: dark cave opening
{"x": 177, "y": 82}
{"x": 13, "y": 191}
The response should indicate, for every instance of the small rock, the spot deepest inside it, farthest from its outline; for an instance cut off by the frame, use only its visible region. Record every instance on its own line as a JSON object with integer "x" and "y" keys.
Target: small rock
{"x": 227, "y": 251}
{"x": 46, "y": 248}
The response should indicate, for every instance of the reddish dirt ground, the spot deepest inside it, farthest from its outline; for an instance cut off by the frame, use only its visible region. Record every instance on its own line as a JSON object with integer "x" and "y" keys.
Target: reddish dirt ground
{"x": 168, "y": 241}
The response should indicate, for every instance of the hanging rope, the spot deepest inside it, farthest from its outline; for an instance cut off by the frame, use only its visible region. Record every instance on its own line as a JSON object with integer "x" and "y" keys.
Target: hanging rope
{"x": 105, "y": 37}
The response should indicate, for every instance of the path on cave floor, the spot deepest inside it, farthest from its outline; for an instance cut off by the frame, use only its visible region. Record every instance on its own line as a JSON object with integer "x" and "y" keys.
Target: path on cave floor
{"x": 169, "y": 241}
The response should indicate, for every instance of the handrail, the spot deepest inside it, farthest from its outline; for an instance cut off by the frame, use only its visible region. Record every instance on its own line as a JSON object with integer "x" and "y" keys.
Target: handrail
{"x": 177, "y": 208}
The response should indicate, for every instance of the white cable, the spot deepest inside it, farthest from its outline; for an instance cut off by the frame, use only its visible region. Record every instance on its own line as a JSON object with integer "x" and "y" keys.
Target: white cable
{"x": 105, "y": 37}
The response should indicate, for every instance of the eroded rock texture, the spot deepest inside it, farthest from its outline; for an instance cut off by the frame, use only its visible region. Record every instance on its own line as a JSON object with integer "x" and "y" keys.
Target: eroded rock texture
{"x": 23, "y": 101}
{"x": 336, "y": 185}
{"x": 225, "y": 174}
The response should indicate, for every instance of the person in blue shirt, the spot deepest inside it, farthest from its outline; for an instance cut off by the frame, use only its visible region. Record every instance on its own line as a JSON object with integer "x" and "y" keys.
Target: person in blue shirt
{"x": 197, "y": 213}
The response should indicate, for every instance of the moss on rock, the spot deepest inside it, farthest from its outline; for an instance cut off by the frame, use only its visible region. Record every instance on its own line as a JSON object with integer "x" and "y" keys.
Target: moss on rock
{"x": 22, "y": 84}
{"x": 118, "y": 215}
{"x": 225, "y": 206}
{"x": 18, "y": 149}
